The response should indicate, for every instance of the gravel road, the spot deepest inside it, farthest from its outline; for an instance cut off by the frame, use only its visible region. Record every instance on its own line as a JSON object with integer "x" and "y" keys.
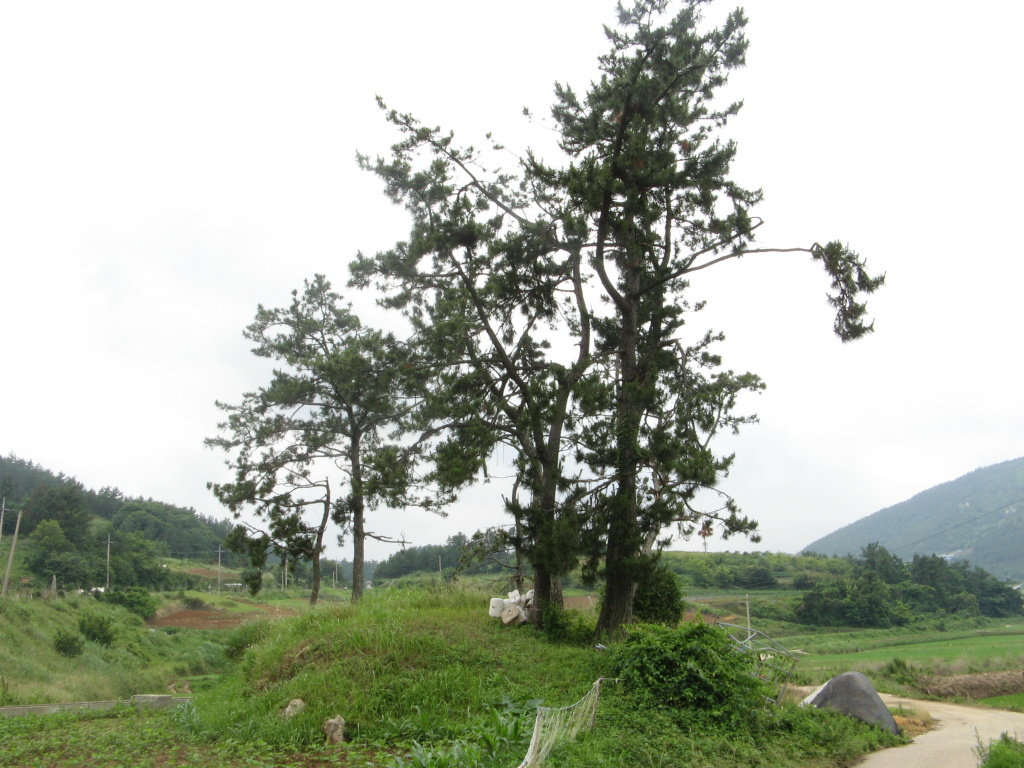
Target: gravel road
{"x": 952, "y": 743}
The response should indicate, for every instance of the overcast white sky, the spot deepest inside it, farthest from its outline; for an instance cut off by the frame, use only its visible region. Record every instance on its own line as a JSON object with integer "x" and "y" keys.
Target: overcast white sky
{"x": 165, "y": 167}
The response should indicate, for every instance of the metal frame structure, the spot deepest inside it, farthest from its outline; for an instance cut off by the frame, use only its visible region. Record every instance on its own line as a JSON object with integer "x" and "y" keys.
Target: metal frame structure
{"x": 772, "y": 662}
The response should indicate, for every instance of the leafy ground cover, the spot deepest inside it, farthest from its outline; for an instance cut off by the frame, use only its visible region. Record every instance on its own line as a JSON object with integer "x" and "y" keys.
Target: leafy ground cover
{"x": 126, "y": 738}
{"x": 428, "y": 675}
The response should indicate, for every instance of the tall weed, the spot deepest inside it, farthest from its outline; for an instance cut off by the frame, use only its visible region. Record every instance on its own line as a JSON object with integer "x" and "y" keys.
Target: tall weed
{"x": 1004, "y": 752}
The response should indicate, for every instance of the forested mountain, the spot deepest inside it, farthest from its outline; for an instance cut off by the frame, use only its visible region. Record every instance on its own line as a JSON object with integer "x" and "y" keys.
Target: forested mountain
{"x": 44, "y": 495}
{"x": 978, "y": 517}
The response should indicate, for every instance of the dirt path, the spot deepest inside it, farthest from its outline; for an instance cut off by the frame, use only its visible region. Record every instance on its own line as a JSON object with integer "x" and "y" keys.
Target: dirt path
{"x": 951, "y": 744}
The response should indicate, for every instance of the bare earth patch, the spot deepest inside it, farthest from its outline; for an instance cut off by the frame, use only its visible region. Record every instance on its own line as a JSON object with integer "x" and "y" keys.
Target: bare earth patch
{"x": 213, "y": 619}
{"x": 979, "y": 685}
{"x": 580, "y": 603}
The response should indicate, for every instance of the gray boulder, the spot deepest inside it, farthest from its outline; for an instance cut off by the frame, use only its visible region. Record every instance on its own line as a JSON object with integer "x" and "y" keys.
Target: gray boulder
{"x": 852, "y": 694}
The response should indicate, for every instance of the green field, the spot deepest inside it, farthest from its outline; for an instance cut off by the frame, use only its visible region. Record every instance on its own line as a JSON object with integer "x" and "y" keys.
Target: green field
{"x": 984, "y": 650}
{"x": 1014, "y": 701}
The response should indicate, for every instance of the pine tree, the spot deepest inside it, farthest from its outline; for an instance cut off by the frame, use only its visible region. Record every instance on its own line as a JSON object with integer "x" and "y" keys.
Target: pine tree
{"x": 324, "y": 424}
{"x": 502, "y": 273}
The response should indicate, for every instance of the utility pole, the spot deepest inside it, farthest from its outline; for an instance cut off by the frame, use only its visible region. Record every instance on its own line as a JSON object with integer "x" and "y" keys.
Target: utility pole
{"x": 107, "y": 587}
{"x": 10, "y": 556}
{"x": 218, "y": 569}
{"x": 334, "y": 581}
{"x": 3, "y": 508}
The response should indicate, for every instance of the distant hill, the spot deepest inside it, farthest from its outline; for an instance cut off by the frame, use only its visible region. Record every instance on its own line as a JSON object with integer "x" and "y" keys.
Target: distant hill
{"x": 978, "y": 517}
{"x": 179, "y": 532}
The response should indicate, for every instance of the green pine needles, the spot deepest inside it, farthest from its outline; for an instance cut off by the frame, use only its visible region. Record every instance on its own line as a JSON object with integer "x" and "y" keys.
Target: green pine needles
{"x": 557, "y": 305}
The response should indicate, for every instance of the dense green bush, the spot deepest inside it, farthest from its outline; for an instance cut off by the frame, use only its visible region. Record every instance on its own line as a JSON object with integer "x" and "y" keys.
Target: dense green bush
{"x": 68, "y": 644}
{"x": 694, "y": 670}
{"x": 99, "y": 629}
{"x": 135, "y": 599}
{"x": 866, "y": 601}
{"x": 567, "y": 626}
{"x": 773, "y": 610}
{"x": 659, "y": 598}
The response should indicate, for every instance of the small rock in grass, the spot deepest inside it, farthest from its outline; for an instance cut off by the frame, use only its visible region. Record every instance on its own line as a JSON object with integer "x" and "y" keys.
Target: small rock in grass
{"x": 295, "y": 706}
{"x": 334, "y": 729}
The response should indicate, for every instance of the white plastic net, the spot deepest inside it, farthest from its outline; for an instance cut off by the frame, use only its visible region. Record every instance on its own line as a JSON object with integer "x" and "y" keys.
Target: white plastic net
{"x": 557, "y": 726}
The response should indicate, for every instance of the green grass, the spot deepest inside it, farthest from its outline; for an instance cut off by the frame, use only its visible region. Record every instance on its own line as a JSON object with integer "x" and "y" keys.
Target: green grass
{"x": 1014, "y": 701}
{"x": 954, "y": 653}
{"x": 429, "y": 672}
{"x": 423, "y": 678}
{"x": 139, "y": 660}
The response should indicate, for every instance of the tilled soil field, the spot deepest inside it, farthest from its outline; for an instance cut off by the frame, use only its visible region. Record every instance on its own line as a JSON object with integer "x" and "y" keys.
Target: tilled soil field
{"x": 213, "y": 619}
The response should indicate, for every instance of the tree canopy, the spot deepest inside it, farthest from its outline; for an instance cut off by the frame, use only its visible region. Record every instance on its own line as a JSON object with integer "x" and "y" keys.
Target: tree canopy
{"x": 558, "y": 298}
{"x": 319, "y": 435}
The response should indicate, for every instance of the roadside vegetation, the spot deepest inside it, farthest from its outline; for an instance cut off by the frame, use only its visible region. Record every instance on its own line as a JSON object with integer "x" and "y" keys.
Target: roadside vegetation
{"x": 1005, "y": 752}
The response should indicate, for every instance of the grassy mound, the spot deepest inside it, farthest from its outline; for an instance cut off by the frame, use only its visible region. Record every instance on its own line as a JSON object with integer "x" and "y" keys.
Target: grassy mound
{"x": 426, "y": 678}
{"x": 402, "y": 666}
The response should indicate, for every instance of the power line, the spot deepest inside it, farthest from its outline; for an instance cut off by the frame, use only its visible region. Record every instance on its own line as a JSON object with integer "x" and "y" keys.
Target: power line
{"x": 958, "y": 525}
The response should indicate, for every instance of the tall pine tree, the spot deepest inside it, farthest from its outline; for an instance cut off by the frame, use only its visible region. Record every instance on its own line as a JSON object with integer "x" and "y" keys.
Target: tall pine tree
{"x": 558, "y": 298}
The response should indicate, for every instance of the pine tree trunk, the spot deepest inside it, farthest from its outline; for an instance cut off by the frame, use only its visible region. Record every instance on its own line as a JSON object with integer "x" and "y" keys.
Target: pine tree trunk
{"x": 358, "y": 544}
{"x": 358, "y": 508}
{"x": 314, "y": 592}
{"x": 624, "y": 538}
{"x": 617, "y": 608}
{"x": 547, "y": 590}
{"x": 620, "y": 589}
{"x": 318, "y": 545}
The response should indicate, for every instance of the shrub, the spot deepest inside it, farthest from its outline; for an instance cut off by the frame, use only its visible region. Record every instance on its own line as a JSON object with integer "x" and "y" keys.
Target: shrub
{"x": 1005, "y": 752}
{"x": 99, "y": 629}
{"x": 694, "y": 670}
{"x": 245, "y": 636}
{"x": 773, "y": 610}
{"x": 135, "y": 599}
{"x": 6, "y": 699}
{"x": 899, "y": 670}
{"x": 68, "y": 644}
{"x": 567, "y": 626}
{"x": 193, "y": 603}
{"x": 659, "y": 598}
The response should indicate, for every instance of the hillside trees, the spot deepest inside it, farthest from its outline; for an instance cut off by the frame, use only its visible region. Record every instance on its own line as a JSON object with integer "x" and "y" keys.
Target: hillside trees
{"x": 318, "y": 436}
{"x": 559, "y": 296}
{"x": 52, "y": 554}
{"x": 180, "y": 532}
{"x": 885, "y": 591}
{"x": 429, "y": 558}
{"x": 64, "y": 504}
